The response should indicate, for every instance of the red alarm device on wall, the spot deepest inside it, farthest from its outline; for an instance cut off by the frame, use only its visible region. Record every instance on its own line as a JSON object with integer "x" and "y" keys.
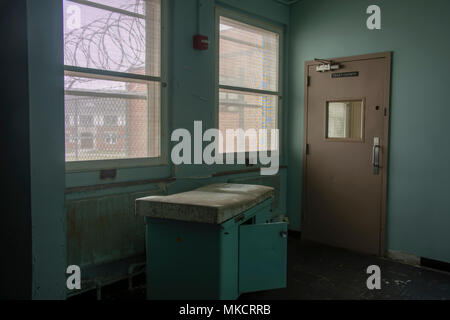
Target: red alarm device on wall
{"x": 201, "y": 42}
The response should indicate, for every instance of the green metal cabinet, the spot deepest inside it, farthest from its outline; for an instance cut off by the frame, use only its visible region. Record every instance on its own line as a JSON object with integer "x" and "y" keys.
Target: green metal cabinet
{"x": 197, "y": 261}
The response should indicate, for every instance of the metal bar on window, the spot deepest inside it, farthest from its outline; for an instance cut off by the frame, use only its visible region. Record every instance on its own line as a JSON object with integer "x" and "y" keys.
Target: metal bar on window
{"x": 239, "y": 105}
{"x": 109, "y": 8}
{"x": 85, "y": 93}
{"x": 249, "y": 90}
{"x": 108, "y": 75}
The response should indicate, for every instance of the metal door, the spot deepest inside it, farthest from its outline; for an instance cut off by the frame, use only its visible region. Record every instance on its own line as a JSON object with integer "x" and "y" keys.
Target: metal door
{"x": 346, "y": 145}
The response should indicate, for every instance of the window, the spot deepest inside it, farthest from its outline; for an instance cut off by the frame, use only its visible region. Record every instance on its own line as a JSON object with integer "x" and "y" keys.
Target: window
{"x": 345, "y": 120}
{"x": 248, "y": 79}
{"x": 114, "y": 78}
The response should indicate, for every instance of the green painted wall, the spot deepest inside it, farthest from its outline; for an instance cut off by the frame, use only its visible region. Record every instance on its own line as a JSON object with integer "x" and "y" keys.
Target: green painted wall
{"x": 419, "y": 177}
{"x": 33, "y": 223}
{"x": 46, "y": 94}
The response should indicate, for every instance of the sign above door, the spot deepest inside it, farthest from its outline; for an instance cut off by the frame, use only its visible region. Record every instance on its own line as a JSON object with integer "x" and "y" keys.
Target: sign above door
{"x": 345, "y": 74}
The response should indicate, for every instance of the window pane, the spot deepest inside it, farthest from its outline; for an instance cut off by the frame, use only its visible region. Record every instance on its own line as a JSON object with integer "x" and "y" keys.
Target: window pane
{"x": 248, "y": 56}
{"x": 345, "y": 120}
{"x": 111, "y": 119}
{"x": 247, "y": 111}
{"x": 107, "y": 40}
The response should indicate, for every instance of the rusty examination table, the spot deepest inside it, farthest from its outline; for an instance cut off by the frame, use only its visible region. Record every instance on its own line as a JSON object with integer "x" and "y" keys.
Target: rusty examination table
{"x": 213, "y": 243}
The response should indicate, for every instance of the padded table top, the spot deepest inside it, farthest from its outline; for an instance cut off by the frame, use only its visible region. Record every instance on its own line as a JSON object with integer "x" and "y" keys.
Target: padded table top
{"x": 213, "y": 204}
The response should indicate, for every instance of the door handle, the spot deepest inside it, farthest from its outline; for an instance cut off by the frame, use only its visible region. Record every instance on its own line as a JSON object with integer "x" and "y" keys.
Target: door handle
{"x": 376, "y": 156}
{"x": 284, "y": 234}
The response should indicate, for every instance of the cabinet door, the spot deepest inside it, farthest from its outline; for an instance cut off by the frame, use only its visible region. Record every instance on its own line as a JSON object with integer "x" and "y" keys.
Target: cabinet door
{"x": 262, "y": 257}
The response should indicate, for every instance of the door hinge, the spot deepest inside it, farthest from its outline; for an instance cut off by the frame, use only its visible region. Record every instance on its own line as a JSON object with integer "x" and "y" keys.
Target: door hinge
{"x": 307, "y": 149}
{"x": 308, "y": 81}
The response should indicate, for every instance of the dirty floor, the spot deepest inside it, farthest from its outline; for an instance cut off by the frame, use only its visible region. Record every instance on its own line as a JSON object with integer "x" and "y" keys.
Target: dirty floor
{"x": 317, "y": 272}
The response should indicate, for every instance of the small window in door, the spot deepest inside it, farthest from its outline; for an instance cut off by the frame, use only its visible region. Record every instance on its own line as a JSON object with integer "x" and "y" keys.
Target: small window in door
{"x": 345, "y": 120}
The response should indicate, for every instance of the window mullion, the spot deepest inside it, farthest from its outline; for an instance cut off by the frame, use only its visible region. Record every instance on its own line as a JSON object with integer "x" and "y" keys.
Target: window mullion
{"x": 86, "y": 93}
{"x": 108, "y": 75}
{"x": 249, "y": 90}
{"x": 108, "y": 8}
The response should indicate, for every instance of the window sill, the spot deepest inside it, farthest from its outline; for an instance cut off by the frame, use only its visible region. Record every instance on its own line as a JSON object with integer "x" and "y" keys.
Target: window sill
{"x": 90, "y": 166}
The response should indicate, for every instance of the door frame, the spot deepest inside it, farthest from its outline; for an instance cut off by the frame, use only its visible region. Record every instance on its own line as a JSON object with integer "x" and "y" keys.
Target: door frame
{"x": 386, "y": 126}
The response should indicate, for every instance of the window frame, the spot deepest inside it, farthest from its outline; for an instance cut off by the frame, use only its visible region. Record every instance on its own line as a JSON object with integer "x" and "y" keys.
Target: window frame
{"x": 363, "y": 120}
{"x": 262, "y": 24}
{"x": 162, "y": 160}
